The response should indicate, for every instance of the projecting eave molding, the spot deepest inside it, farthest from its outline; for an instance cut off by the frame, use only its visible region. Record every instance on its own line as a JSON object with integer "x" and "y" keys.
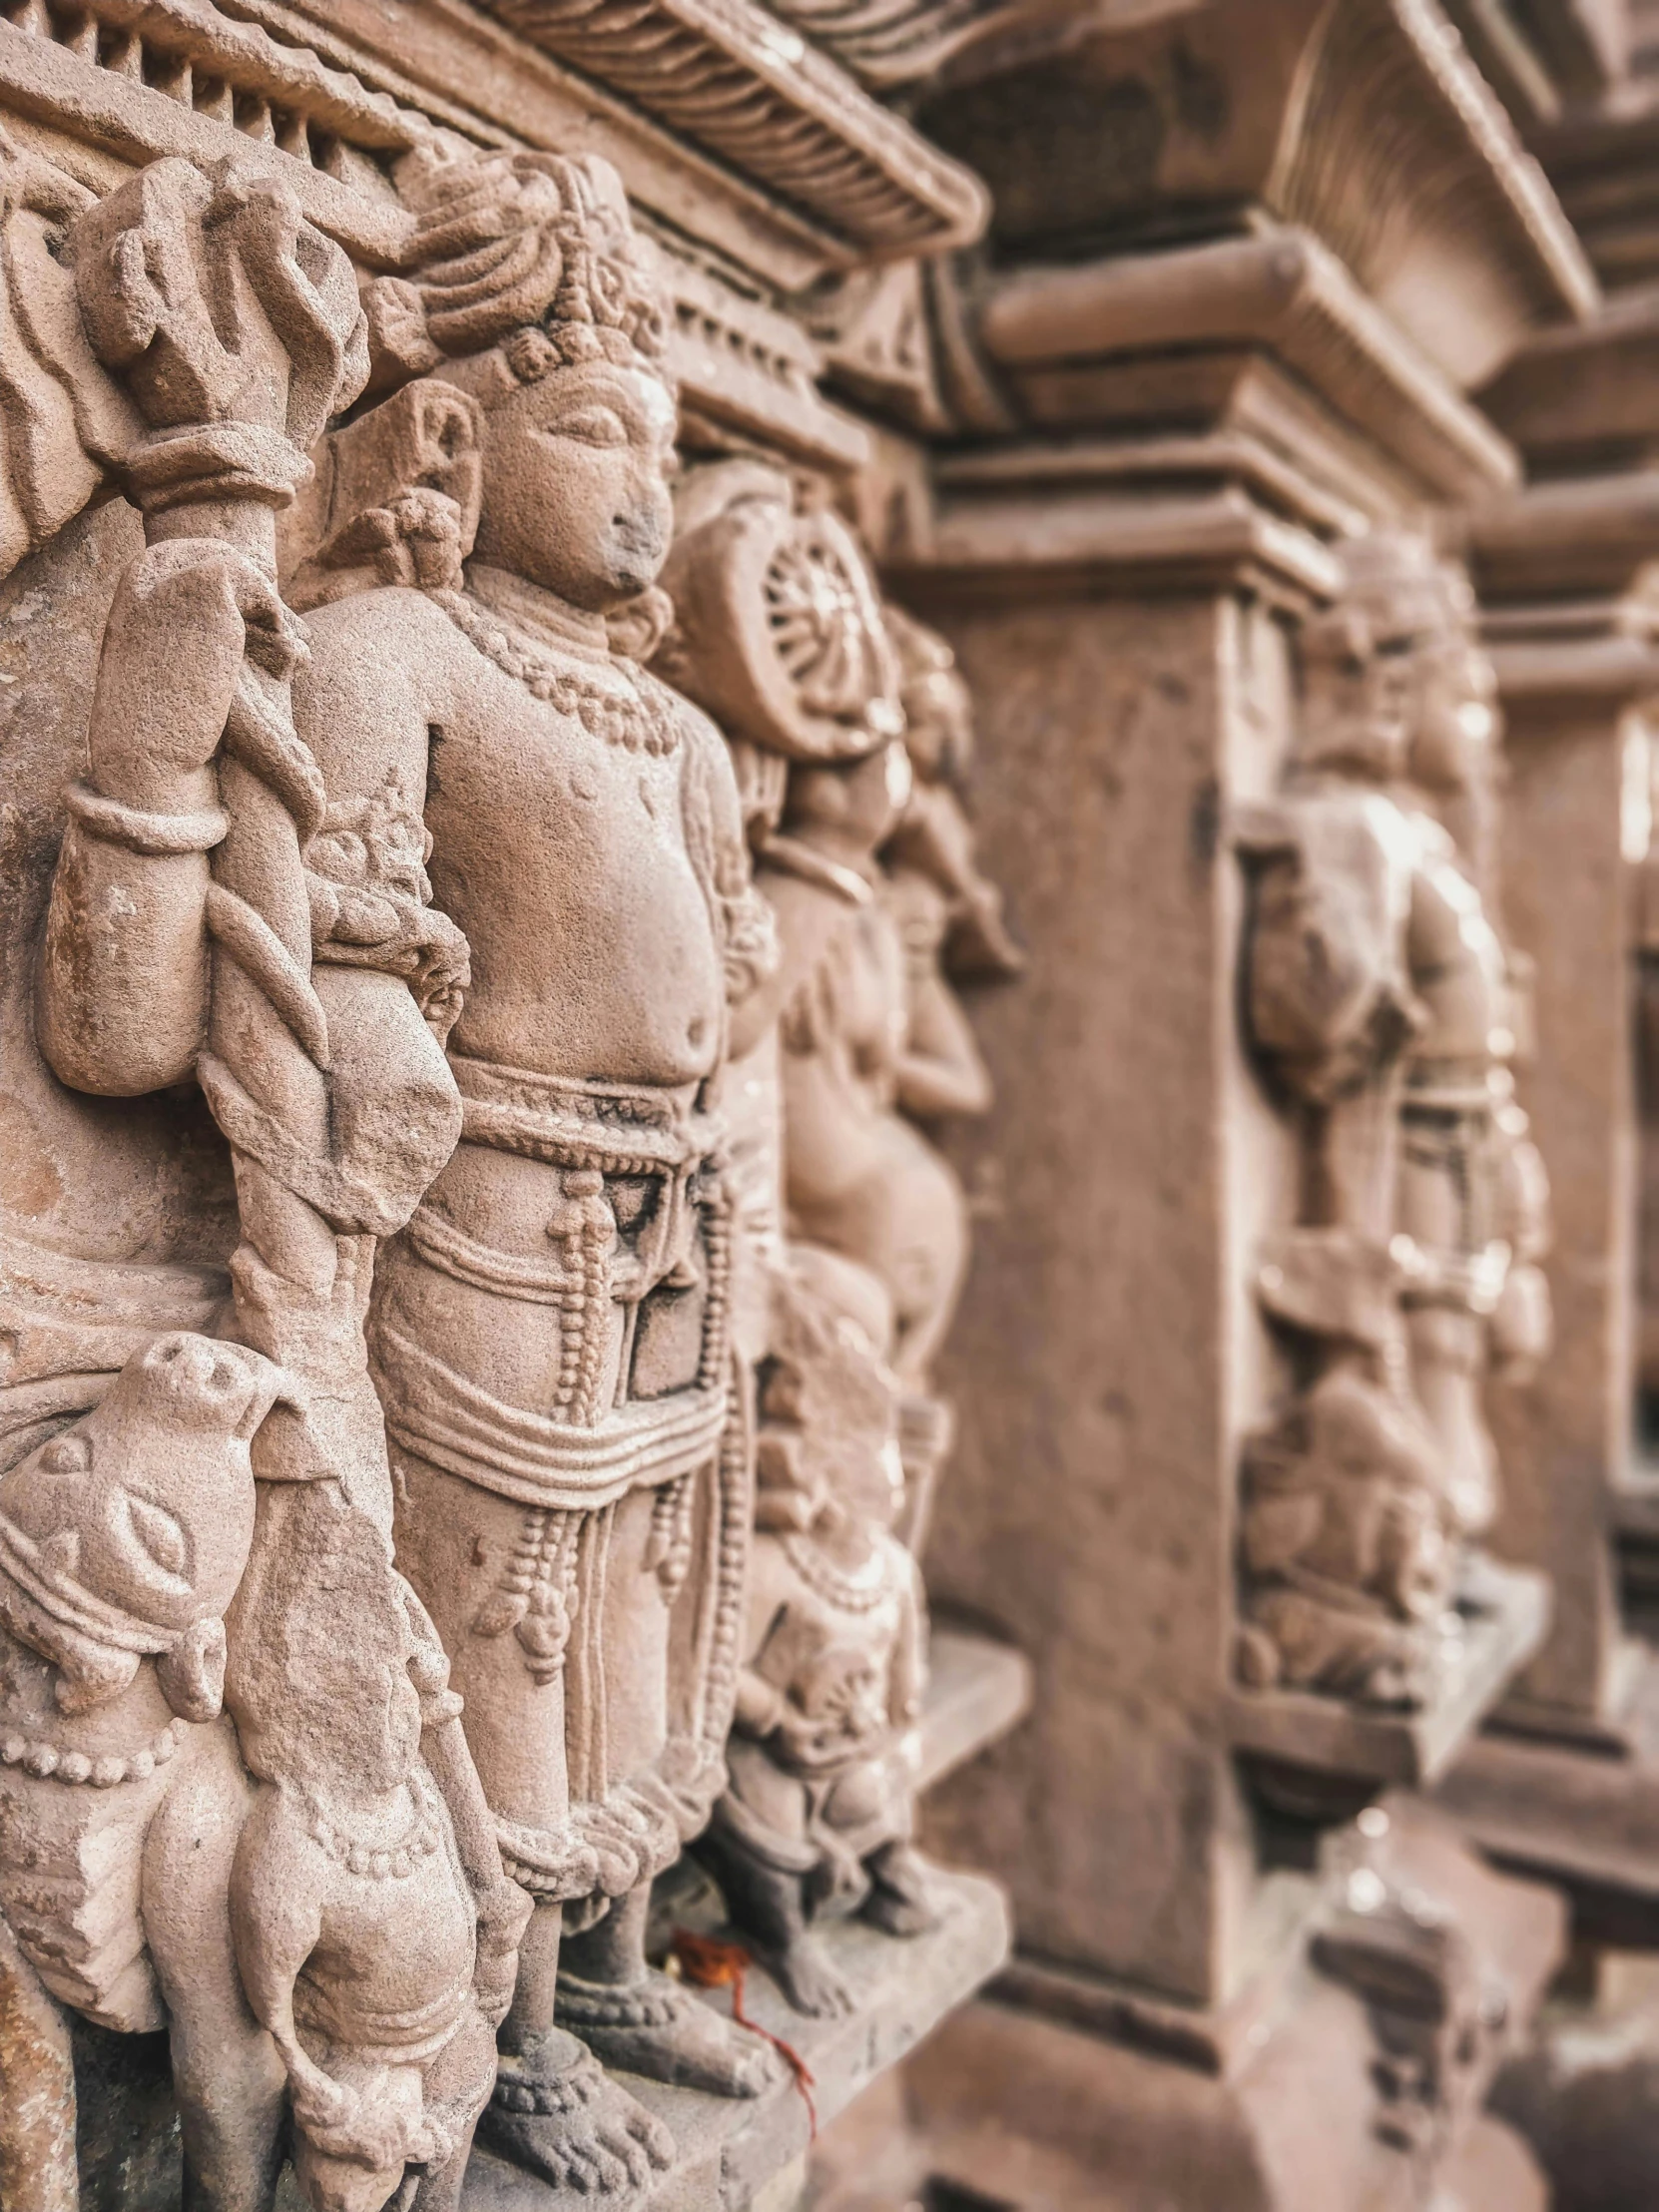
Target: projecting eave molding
{"x": 749, "y": 90}
{"x": 717, "y": 114}
{"x": 1362, "y": 121}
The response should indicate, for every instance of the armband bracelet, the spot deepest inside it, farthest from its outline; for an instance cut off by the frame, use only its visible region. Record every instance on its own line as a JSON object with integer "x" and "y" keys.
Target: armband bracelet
{"x": 140, "y": 831}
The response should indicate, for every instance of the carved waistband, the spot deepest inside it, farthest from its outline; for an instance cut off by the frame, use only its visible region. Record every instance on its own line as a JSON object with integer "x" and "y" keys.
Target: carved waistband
{"x": 1449, "y": 1086}
{"x": 453, "y": 1423}
{"x": 618, "y": 1128}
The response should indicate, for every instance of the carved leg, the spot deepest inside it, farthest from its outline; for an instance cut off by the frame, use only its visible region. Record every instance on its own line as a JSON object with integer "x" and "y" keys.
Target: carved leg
{"x": 226, "y": 2076}
{"x": 456, "y": 2090}
{"x": 767, "y": 1906}
{"x": 898, "y": 1902}
{"x": 38, "y": 2167}
{"x": 645, "y": 2023}
{"x": 554, "y": 2111}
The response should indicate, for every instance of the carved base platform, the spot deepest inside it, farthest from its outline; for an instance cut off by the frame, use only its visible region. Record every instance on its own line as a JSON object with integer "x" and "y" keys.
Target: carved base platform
{"x": 978, "y": 1690}
{"x": 1583, "y": 1813}
{"x": 750, "y": 2156}
{"x": 1304, "y": 1748}
{"x": 1083, "y": 2096}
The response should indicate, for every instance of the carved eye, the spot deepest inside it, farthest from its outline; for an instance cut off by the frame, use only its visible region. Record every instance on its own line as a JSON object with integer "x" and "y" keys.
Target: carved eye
{"x": 159, "y": 1534}
{"x": 71, "y": 1454}
{"x": 594, "y": 426}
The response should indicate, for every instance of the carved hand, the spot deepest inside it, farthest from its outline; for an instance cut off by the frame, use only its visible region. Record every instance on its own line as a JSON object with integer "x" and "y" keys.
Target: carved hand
{"x": 362, "y": 2125}
{"x": 503, "y": 1911}
{"x": 187, "y": 613}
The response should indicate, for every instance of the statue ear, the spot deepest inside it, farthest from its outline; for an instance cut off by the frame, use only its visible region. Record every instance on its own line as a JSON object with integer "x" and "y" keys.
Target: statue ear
{"x": 192, "y": 1674}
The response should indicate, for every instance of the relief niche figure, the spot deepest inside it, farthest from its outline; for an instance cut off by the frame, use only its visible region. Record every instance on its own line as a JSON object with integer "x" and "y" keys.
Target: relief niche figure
{"x": 550, "y": 1333}
{"x": 1380, "y": 1001}
{"x": 196, "y": 1521}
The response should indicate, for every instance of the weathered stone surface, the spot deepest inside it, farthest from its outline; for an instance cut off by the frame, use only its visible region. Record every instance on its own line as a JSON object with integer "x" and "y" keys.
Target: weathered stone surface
{"x": 727, "y": 2158}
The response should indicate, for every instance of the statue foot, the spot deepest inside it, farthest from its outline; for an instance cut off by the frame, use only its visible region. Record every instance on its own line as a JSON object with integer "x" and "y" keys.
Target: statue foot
{"x": 657, "y": 2029}
{"x": 898, "y": 1902}
{"x": 802, "y": 1969}
{"x": 557, "y": 2115}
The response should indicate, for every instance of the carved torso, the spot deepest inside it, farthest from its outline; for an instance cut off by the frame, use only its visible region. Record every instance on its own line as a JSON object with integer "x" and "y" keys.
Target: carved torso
{"x": 1460, "y": 971}
{"x": 562, "y": 854}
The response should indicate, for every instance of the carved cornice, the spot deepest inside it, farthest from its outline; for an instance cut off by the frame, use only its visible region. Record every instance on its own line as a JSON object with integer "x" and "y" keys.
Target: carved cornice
{"x": 1081, "y": 347}
{"x": 1540, "y": 54}
{"x": 138, "y": 79}
{"x": 1027, "y": 538}
{"x": 1586, "y": 397}
{"x": 1604, "y": 163}
{"x": 1400, "y": 142}
{"x": 1572, "y": 538}
{"x": 1363, "y": 122}
{"x": 889, "y": 43}
{"x": 749, "y": 90}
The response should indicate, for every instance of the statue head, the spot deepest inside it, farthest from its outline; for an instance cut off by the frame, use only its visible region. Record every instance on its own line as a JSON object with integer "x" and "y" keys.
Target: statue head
{"x": 938, "y": 710}
{"x": 1397, "y": 686}
{"x": 532, "y": 292}
{"x": 126, "y": 1536}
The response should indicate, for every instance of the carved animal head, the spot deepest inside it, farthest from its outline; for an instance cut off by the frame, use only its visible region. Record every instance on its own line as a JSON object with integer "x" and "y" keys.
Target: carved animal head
{"x": 125, "y": 1535}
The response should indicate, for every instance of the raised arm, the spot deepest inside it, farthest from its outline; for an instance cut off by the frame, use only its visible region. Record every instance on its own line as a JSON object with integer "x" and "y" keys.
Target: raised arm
{"x": 122, "y": 1003}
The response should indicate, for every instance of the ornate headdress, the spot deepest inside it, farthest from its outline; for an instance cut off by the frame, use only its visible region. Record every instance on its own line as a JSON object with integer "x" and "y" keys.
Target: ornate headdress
{"x": 520, "y": 263}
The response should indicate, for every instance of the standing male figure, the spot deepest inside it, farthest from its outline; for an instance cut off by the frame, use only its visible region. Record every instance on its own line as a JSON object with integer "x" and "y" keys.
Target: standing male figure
{"x": 550, "y": 1332}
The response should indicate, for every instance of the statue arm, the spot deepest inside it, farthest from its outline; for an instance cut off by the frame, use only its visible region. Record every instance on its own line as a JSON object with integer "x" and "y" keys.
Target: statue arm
{"x": 910, "y": 1666}
{"x": 122, "y": 1003}
{"x": 941, "y": 1071}
{"x": 276, "y": 1918}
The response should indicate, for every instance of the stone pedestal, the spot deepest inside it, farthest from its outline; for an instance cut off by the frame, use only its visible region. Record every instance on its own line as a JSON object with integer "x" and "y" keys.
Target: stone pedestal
{"x": 1283, "y": 2102}
{"x": 750, "y": 2156}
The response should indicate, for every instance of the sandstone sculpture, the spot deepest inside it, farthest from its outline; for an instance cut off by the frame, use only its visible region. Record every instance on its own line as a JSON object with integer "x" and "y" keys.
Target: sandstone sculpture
{"x": 1380, "y": 1001}
{"x": 340, "y": 1944}
{"x": 868, "y": 868}
{"x": 550, "y": 1332}
{"x": 817, "y": 1811}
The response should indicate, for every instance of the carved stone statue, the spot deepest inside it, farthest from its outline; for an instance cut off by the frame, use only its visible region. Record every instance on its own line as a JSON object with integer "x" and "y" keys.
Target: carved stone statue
{"x": 949, "y": 919}
{"x": 322, "y": 1922}
{"x": 551, "y": 1330}
{"x": 1380, "y": 1004}
{"x": 817, "y": 1811}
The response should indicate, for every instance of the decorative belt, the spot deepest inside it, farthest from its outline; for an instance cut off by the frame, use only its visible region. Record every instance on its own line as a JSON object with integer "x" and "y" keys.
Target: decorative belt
{"x": 617, "y": 1128}
{"x": 1449, "y": 1086}
{"x": 453, "y": 1423}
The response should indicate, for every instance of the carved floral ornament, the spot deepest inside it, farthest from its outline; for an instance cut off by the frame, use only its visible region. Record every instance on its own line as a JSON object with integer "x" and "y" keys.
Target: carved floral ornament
{"x": 229, "y": 1564}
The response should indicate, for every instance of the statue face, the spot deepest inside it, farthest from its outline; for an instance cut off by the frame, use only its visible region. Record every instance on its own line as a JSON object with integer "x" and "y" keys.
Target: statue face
{"x": 1358, "y": 706}
{"x": 1455, "y": 723}
{"x": 576, "y": 483}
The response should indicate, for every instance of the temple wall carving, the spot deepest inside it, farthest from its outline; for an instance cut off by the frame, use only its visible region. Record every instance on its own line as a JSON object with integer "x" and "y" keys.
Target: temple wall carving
{"x": 824, "y": 945}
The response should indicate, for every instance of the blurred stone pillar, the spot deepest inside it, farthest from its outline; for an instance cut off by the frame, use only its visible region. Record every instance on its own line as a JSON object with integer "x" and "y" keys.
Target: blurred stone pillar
{"x": 1567, "y": 1782}
{"x": 1188, "y": 363}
